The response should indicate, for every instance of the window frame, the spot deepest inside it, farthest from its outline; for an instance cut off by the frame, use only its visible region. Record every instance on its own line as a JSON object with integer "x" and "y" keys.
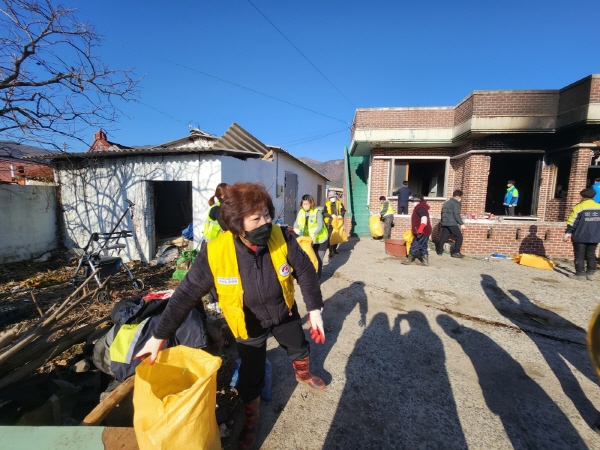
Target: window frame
{"x": 392, "y": 162}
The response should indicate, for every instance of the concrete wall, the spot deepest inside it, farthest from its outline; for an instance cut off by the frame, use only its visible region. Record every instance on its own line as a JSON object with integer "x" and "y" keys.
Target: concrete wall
{"x": 28, "y": 221}
{"x": 272, "y": 174}
{"x": 93, "y": 198}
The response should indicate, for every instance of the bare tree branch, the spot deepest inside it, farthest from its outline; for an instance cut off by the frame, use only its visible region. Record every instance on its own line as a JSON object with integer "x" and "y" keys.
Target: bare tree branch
{"x": 51, "y": 80}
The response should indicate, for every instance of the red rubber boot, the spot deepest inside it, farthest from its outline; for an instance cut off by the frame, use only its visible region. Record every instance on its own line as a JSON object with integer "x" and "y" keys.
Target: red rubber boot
{"x": 248, "y": 434}
{"x": 303, "y": 375}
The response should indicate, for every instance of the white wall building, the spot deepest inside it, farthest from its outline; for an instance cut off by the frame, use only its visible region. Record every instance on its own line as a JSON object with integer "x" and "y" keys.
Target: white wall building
{"x": 170, "y": 185}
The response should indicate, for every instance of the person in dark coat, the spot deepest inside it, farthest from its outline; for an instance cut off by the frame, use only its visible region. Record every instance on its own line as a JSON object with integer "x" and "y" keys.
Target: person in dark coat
{"x": 251, "y": 267}
{"x": 452, "y": 224}
{"x": 583, "y": 230}
{"x": 403, "y": 194}
{"x": 421, "y": 229}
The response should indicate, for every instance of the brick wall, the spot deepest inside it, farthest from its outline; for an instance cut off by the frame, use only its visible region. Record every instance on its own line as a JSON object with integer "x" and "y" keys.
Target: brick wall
{"x": 463, "y": 111}
{"x": 595, "y": 90}
{"x": 578, "y": 176}
{"x": 475, "y": 180}
{"x": 515, "y": 103}
{"x": 575, "y": 95}
{"x": 415, "y": 118}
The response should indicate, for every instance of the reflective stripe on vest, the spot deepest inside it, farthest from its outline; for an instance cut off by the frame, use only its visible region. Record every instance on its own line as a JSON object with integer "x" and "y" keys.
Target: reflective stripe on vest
{"x": 312, "y": 225}
{"x": 121, "y": 348}
{"x": 389, "y": 211}
{"x": 338, "y": 208}
{"x": 224, "y": 267}
{"x": 212, "y": 229}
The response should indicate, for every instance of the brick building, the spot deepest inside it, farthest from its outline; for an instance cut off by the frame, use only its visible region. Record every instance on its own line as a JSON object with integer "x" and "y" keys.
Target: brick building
{"x": 548, "y": 141}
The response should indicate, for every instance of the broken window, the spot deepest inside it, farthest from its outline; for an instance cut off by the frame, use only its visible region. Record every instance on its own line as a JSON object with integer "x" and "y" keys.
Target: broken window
{"x": 562, "y": 168}
{"x": 424, "y": 176}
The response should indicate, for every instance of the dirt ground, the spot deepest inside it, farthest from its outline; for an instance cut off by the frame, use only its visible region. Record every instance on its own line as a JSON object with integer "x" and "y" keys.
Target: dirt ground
{"x": 469, "y": 353}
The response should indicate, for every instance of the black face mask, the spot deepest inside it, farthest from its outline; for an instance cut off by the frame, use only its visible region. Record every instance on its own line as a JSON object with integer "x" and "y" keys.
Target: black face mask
{"x": 260, "y": 235}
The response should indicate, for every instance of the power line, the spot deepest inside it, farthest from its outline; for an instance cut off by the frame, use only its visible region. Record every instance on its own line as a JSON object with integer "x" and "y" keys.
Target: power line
{"x": 232, "y": 83}
{"x": 303, "y": 55}
{"x": 317, "y": 137}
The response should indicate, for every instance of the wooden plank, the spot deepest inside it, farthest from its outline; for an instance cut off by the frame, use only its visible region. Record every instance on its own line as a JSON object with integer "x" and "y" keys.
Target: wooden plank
{"x": 98, "y": 414}
{"x": 115, "y": 438}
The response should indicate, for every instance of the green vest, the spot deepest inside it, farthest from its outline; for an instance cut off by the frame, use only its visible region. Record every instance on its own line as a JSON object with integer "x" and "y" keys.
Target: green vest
{"x": 322, "y": 234}
{"x": 386, "y": 212}
{"x": 212, "y": 229}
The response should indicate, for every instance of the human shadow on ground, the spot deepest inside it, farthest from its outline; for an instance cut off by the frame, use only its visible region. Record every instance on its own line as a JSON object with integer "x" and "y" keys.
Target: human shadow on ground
{"x": 532, "y": 244}
{"x": 336, "y": 310}
{"x": 526, "y": 315}
{"x": 338, "y": 260}
{"x": 530, "y": 417}
{"x": 397, "y": 392}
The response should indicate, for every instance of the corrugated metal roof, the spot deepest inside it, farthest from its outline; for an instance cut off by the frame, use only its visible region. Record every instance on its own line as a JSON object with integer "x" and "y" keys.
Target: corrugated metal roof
{"x": 237, "y": 138}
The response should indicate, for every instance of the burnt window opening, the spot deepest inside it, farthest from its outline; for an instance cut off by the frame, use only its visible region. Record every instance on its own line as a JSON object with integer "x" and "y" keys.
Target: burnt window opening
{"x": 561, "y": 176}
{"x": 426, "y": 177}
{"x": 524, "y": 169}
{"x": 319, "y": 195}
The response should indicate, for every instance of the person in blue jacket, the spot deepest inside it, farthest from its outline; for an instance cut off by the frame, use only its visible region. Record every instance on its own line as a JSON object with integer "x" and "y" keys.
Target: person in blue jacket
{"x": 596, "y": 188}
{"x": 403, "y": 194}
{"x": 511, "y": 198}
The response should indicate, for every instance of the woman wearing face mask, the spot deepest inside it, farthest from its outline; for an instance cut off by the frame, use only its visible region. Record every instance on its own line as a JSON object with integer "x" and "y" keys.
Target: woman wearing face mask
{"x": 252, "y": 261}
{"x": 310, "y": 223}
{"x": 333, "y": 208}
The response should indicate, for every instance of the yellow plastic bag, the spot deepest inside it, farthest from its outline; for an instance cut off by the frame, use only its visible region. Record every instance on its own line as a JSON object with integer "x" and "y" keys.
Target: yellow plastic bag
{"x": 338, "y": 233}
{"x": 375, "y": 226}
{"x": 174, "y": 401}
{"x": 537, "y": 261}
{"x": 408, "y": 237}
{"x": 306, "y": 244}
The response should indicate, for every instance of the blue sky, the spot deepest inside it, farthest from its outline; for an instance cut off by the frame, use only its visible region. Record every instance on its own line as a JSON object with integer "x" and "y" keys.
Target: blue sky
{"x": 377, "y": 53}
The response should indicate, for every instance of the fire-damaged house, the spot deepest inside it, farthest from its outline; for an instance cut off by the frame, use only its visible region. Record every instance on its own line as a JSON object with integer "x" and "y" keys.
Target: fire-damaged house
{"x": 170, "y": 185}
{"x": 548, "y": 141}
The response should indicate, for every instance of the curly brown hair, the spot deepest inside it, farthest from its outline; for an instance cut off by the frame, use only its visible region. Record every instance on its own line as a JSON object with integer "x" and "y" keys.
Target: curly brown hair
{"x": 242, "y": 200}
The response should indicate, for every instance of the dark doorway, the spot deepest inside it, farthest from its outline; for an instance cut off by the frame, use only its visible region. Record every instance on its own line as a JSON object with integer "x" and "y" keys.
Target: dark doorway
{"x": 172, "y": 208}
{"x": 524, "y": 169}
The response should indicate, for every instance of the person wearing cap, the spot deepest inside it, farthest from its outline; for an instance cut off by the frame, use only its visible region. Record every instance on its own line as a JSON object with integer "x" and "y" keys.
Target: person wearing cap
{"x": 333, "y": 208}
{"x": 421, "y": 229}
{"x": 583, "y": 230}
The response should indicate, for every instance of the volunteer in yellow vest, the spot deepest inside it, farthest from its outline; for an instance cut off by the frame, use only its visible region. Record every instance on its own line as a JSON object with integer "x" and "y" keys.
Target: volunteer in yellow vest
{"x": 333, "y": 208}
{"x": 251, "y": 267}
{"x": 310, "y": 223}
{"x": 213, "y": 228}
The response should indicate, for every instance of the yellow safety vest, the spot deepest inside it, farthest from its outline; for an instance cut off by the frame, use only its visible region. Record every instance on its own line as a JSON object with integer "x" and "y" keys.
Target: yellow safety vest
{"x": 321, "y": 236}
{"x": 338, "y": 208}
{"x": 389, "y": 210}
{"x": 212, "y": 229}
{"x": 224, "y": 267}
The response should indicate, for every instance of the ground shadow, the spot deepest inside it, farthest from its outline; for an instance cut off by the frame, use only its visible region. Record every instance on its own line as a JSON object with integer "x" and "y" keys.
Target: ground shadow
{"x": 397, "y": 392}
{"x": 335, "y": 312}
{"x": 532, "y": 244}
{"x": 528, "y": 316}
{"x": 338, "y": 260}
{"x": 530, "y": 417}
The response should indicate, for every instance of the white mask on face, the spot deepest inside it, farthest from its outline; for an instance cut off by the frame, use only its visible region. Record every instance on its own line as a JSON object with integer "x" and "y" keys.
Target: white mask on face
{"x": 332, "y": 199}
